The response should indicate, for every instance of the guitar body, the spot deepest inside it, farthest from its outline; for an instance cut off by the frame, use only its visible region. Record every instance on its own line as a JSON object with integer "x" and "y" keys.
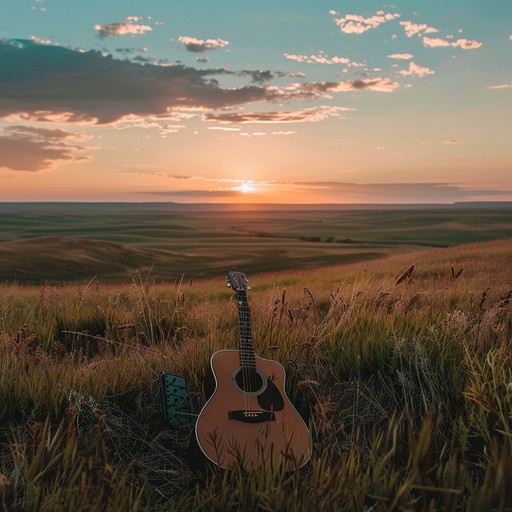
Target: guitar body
{"x": 249, "y": 418}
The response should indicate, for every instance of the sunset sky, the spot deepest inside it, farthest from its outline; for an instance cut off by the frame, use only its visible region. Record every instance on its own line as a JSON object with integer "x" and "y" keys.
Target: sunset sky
{"x": 271, "y": 101}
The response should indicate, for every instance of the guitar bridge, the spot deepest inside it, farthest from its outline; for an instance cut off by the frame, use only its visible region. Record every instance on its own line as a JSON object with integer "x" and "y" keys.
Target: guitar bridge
{"x": 251, "y": 416}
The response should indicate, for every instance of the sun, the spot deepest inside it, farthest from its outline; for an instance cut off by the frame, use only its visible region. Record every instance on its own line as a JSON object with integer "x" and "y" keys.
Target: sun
{"x": 246, "y": 188}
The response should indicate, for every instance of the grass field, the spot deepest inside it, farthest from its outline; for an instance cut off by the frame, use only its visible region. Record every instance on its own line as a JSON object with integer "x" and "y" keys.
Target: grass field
{"x": 406, "y": 384}
{"x": 66, "y": 242}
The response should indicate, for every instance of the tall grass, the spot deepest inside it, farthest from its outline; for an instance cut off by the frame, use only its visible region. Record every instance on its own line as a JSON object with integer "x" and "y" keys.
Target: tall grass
{"x": 406, "y": 384}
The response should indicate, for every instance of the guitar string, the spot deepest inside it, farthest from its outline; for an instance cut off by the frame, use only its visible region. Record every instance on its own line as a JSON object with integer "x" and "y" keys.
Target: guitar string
{"x": 241, "y": 347}
{"x": 253, "y": 375}
{"x": 246, "y": 339}
{"x": 249, "y": 371}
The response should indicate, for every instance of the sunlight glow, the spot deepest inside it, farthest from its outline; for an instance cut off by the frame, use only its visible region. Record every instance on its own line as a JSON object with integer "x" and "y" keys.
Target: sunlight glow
{"x": 246, "y": 188}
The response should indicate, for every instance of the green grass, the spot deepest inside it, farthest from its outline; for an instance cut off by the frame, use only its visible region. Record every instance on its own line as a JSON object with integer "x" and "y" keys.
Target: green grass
{"x": 406, "y": 387}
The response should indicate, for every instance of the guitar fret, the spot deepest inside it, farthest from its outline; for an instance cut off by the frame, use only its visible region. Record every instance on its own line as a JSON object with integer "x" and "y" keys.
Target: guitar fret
{"x": 246, "y": 346}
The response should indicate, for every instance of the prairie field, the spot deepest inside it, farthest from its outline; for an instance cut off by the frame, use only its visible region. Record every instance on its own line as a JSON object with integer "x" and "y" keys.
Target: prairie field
{"x": 57, "y": 242}
{"x": 401, "y": 366}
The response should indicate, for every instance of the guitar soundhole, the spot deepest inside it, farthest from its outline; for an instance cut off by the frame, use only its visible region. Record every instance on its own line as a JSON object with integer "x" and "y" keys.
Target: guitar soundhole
{"x": 250, "y": 380}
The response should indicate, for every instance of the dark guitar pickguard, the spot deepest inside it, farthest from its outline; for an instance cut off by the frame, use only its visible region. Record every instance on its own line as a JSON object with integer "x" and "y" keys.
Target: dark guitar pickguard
{"x": 271, "y": 399}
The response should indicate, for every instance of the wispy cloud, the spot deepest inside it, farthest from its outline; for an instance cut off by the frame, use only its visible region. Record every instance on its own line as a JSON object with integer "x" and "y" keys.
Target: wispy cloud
{"x": 331, "y": 191}
{"x": 357, "y": 24}
{"x": 298, "y": 116}
{"x": 451, "y": 141}
{"x": 224, "y": 128}
{"x": 421, "y": 29}
{"x": 415, "y": 70}
{"x": 322, "y": 58}
{"x": 131, "y": 50}
{"x": 500, "y": 86}
{"x": 464, "y": 44}
{"x": 401, "y": 56}
{"x": 259, "y": 75}
{"x": 396, "y": 192}
{"x": 369, "y": 84}
{"x": 25, "y": 148}
{"x": 128, "y": 27}
{"x": 204, "y": 194}
{"x": 192, "y": 44}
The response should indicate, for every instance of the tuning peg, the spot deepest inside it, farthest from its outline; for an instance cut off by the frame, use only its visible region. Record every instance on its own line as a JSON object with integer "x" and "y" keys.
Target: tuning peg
{"x": 229, "y": 285}
{"x": 248, "y": 287}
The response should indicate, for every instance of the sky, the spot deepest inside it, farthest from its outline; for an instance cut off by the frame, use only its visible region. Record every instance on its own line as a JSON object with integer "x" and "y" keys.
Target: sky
{"x": 338, "y": 101}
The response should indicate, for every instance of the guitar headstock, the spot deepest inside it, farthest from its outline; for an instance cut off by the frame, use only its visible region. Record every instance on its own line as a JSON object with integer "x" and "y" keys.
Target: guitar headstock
{"x": 238, "y": 281}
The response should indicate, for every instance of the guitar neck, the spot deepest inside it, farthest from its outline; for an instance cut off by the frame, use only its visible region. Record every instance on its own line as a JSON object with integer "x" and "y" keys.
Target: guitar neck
{"x": 246, "y": 346}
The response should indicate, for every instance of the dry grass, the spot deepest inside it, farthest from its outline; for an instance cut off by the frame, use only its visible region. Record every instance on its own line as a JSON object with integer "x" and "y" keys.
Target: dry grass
{"x": 403, "y": 375}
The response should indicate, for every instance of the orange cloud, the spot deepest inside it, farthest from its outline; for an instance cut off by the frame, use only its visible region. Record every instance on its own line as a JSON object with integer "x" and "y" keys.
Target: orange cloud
{"x": 297, "y": 116}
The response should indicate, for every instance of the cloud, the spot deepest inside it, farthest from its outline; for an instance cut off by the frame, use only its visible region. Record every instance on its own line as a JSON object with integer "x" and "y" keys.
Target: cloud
{"x": 129, "y": 51}
{"x": 70, "y": 86}
{"x": 433, "y": 42}
{"x": 451, "y": 141}
{"x": 412, "y": 29}
{"x": 374, "y": 84}
{"x": 76, "y": 86}
{"x": 336, "y": 192}
{"x": 223, "y": 129}
{"x": 467, "y": 44}
{"x": 297, "y": 116}
{"x": 415, "y": 70}
{"x": 195, "y": 45}
{"x": 25, "y": 148}
{"x": 401, "y": 56}
{"x": 259, "y": 76}
{"x": 39, "y": 40}
{"x": 322, "y": 58}
{"x": 500, "y": 86}
{"x": 464, "y": 44}
{"x": 197, "y": 193}
{"x": 123, "y": 28}
{"x": 356, "y": 24}
{"x": 394, "y": 192}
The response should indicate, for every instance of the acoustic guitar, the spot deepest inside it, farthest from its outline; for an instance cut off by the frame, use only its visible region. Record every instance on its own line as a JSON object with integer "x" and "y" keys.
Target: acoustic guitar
{"x": 248, "y": 418}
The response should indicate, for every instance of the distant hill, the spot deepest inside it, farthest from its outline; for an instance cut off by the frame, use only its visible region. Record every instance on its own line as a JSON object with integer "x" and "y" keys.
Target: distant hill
{"x": 60, "y": 258}
{"x": 200, "y": 207}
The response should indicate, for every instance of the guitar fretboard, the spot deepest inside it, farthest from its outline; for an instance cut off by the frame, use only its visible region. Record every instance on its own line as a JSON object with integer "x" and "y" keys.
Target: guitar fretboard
{"x": 247, "y": 355}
